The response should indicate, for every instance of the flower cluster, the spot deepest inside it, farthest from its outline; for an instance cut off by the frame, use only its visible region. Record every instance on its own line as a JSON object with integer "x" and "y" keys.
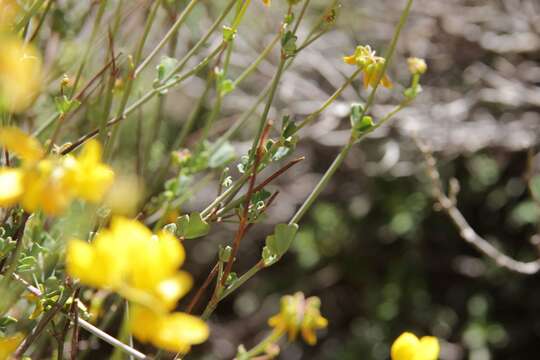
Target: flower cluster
{"x": 298, "y": 314}
{"x": 408, "y": 347}
{"x": 143, "y": 268}
{"x": 371, "y": 66}
{"x": 50, "y": 183}
{"x": 20, "y": 64}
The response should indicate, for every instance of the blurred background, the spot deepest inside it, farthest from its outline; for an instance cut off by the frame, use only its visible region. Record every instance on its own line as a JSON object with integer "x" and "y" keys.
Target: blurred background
{"x": 374, "y": 248}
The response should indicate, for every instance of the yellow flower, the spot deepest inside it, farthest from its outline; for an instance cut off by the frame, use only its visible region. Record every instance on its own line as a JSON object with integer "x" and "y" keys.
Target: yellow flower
{"x": 298, "y": 314}
{"x": 143, "y": 268}
{"x": 267, "y": 2}
{"x": 129, "y": 259}
{"x": 51, "y": 183}
{"x": 9, "y": 344}
{"x": 408, "y": 347}
{"x": 370, "y": 64}
{"x": 417, "y": 66}
{"x": 20, "y": 74}
{"x": 174, "y": 332}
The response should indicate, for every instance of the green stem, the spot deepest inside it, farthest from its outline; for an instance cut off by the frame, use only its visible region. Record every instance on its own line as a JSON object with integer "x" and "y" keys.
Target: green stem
{"x": 170, "y": 34}
{"x": 322, "y": 183}
{"x": 330, "y": 100}
{"x": 202, "y": 41}
{"x": 257, "y": 61}
{"x": 86, "y": 54}
{"x": 261, "y": 347}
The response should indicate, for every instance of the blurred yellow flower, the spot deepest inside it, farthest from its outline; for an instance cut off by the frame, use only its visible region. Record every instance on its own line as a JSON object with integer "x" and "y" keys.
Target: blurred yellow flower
{"x": 408, "y": 347}
{"x": 143, "y": 268}
{"x": 370, "y": 64}
{"x": 298, "y": 314}
{"x": 9, "y": 344}
{"x": 267, "y": 2}
{"x": 130, "y": 260}
{"x": 20, "y": 74}
{"x": 51, "y": 183}
{"x": 174, "y": 332}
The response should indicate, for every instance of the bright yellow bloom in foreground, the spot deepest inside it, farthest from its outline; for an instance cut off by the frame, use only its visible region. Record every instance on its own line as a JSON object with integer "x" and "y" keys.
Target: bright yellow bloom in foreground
{"x": 8, "y": 345}
{"x": 51, "y": 183}
{"x": 298, "y": 314}
{"x": 408, "y": 347}
{"x": 129, "y": 259}
{"x": 143, "y": 268}
{"x": 20, "y": 74}
{"x": 370, "y": 64}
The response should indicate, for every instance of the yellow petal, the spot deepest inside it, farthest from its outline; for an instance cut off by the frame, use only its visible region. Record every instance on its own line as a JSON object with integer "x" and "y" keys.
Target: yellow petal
{"x": 178, "y": 331}
{"x": 81, "y": 261}
{"x": 96, "y": 184}
{"x": 11, "y": 186}
{"x": 309, "y": 336}
{"x": 174, "y": 288}
{"x": 386, "y": 82}
{"x": 175, "y": 332}
{"x": 22, "y": 144}
{"x": 321, "y": 322}
{"x": 267, "y": 2}
{"x": 172, "y": 252}
{"x": 351, "y": 60}
{"x": 405, "y": 347}
{"x": 429, "y": 349}
{"x": 88, "y": 177}
{"x": 9, "y": 344}
{"x": 100, "y": 264}
{"x": 144, "y": 323}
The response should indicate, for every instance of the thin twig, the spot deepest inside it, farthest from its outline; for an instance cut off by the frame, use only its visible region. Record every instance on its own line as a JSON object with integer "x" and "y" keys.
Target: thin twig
{"x": 465, "y": 230}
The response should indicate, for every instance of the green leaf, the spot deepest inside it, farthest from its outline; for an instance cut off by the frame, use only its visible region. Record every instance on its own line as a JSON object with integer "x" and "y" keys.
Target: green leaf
{"x": 278, "y": 243}
{"x": 226, "y": 86}
{"x": 289, "y": 128}
{"x": 192, "y": 226}
{"x": 268, "y": 256}
{"x": 228, "y": 34}
{"x": 356, "y": 112}
{"x": 222, "y": 156}
{"x": 166, "y": 67}
{"x": 225, "y": 253}
{"x": 288, "y": 44}
{"x": 365, "y": 124}
{"x": 64, "y": 104}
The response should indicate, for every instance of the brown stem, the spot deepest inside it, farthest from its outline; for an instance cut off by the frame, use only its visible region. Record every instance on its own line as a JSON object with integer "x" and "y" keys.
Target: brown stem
{"x": 244, "y": 218}
{"x": 202, "y": 289}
